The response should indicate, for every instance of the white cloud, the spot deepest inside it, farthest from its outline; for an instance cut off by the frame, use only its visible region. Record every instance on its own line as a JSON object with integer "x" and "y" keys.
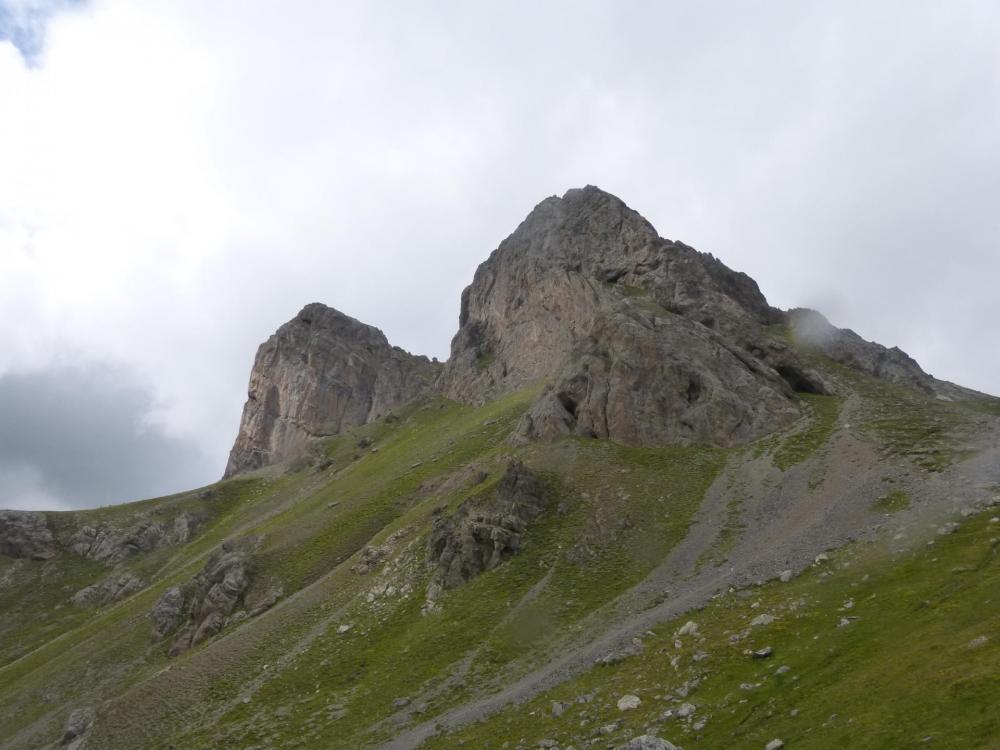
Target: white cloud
{"x": 178, "y": 178}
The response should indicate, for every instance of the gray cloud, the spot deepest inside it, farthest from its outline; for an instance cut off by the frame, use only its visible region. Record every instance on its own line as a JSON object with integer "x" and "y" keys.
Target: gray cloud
{"x": 76, "y": 438}
{"x": 235, "y": 161}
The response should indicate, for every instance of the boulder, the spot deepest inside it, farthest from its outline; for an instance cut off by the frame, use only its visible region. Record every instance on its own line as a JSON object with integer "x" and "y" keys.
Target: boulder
{"x": 77, "y": 724}
{"x": 648, "y": 742}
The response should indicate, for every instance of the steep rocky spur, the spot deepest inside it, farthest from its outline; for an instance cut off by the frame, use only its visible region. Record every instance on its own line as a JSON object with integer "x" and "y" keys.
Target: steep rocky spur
{"x": 320, "y": 373}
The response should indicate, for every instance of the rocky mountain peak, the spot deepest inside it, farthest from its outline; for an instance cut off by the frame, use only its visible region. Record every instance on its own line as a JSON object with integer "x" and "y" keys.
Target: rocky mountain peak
{"x": 643, "y": 339}
{"x": 633, "y": 336}
{"x": 320, "y": 373}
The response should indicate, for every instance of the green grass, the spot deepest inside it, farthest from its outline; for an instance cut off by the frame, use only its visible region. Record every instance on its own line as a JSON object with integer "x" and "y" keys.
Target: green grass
{"x": 893, "y": 502}
{"x": 904, "y": 670}
{"x": 791, "y": 448}
{"x": 796, "y": 448}
{"x": 613, "y": 512}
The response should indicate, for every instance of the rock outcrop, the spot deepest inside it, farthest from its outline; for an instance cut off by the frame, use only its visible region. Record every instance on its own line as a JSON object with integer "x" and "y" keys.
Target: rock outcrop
{"x": 812, "y": 329}
{"x": 108, "y": 591}
{"x": 26, "y": 534}
{"x": 643, "y": 340}
{"x": 110, "y": 544}
{"x": 479, "y": 536}
{"x": 223, "y": 591}
{"x": 320, "y": 373}
{"x": 76, "y": 727}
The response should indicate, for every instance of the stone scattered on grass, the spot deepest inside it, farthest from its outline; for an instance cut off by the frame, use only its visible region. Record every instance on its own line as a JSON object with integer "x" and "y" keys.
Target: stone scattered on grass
{"x": 786, "y": 576}
{"x": 689, "y": 628}
{"x": 648, "y": 742}
{"x": 628, "y": 702}
{"x": 978, "y": 641}
{"x": 685, "y": 710}
{"x": 764, "y": 619}
{"x": 763, "y": 653}
{"x": 774, "y": 745}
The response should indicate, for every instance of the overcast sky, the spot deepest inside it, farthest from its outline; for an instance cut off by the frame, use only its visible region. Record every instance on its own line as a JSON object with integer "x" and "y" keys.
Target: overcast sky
{"x": 179, "y": 178}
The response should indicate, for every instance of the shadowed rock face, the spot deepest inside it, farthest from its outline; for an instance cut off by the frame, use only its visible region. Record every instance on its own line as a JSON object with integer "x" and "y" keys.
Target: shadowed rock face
{"x": 480, "y": 537}
{"x": 224, "y": 590}
{"x": 26, "y": 534}
{"x": 112, "y": 545}
{"x": 644, "y": 340}
{"x": 320, "y": 373}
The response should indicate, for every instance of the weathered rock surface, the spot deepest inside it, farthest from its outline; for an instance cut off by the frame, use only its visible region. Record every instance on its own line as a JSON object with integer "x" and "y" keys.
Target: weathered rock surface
{"x": 112, "y": 589}
{"x": 479, "y": 537}
{"x": 76, "y": 727}
{"x": 648, "y": 742}
{"x": 845, "y": 346}
{"x": 110, "y": 544}
{"x": 318, "y": 374}
{"x": 25, "y": 534}
{"x": 221, "y": 592}
{"x": 642, "y": 339}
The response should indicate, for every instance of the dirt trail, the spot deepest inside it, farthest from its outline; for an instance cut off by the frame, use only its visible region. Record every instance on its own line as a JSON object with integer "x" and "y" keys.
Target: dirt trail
{"x": 818, "y": 505}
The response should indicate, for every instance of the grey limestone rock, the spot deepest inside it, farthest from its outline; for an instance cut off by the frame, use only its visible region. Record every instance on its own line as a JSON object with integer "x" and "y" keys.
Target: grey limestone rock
{"x": 479, "y": 537}
{"x": 110, "y": 544}
{"x": 648, "y": 742}
{"x": 76, "y": 727}
{"x": 200, "y": 608}
{"x": 642, "y": 340}
{"x": 108, "y": 591}
{"x": 26, "y": 534}
{"x": 320, "y": 373}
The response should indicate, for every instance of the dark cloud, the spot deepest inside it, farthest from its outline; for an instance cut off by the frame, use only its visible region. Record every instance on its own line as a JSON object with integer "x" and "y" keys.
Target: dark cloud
{"x": 75, "y": 438}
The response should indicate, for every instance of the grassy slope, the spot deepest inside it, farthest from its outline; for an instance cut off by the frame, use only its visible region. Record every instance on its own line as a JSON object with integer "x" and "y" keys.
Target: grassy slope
{"x": 290, "y": 679}
{"x": 902, "y": 671}
{"x": 613, "y": 513}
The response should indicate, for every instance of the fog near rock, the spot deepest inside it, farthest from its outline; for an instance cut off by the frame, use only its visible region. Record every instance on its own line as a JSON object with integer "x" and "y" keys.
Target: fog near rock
{"x": 180, "y": 178}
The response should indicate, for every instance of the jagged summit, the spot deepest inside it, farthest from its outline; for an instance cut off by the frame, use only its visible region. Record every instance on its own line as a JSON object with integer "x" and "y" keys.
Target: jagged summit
{"x": 321, "y": 372}
{"x": 637, "y": 338}
{"x": 645, "y": 340}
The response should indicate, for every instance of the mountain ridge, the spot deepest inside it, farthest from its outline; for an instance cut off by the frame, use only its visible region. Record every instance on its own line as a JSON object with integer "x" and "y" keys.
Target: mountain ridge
{"x": 638, "y": 506}
{"x": 573, "y": 297}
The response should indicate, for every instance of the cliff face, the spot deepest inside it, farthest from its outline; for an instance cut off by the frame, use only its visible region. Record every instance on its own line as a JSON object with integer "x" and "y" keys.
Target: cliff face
{"x": 318, "y": 374}
{"x": 636, "y": 338}
{"x": 644, "y": 340}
